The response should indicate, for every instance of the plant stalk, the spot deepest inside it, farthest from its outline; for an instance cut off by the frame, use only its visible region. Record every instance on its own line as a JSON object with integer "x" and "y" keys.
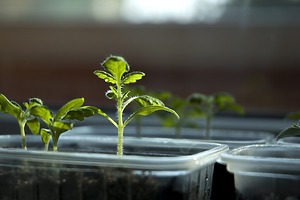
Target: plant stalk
{"x": 120, "y": 140}
{"x": 22, "y": 130}
{"x": 120, "y": 122}
{"x": 55, "y": 142}
{"x": 46, "y": 146}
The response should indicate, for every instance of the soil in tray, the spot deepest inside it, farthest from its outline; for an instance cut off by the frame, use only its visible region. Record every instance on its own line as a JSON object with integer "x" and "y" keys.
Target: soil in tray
{"x": 104, "y": 184}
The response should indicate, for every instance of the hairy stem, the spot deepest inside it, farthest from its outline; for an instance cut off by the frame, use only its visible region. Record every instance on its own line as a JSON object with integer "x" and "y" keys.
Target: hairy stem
{"x": 120, "y": 121}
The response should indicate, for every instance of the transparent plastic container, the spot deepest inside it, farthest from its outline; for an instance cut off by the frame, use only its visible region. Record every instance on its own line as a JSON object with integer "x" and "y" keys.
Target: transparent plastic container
{"x": 290, "y": 141}
{"x": 223, "y": 181}
{"x": 264, "y": 172}
{"x": 88, "y": 168}
{"x": 232, "y": 138}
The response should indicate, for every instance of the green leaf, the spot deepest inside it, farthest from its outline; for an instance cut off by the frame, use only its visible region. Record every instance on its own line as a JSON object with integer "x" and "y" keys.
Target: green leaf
{"x": 113, "y": 89}
{"x": 222, "y": 100}
{"x": 116, "y": 66}
{"x": 236, "y": 108}
{"x": 293, "y": 115}
{"x": 132, "y": 77}
{"x": 79, "y": 114}
{"x": 61, "y": 127}
{"x": 43, "y": 113}
{"x": 197, "y": 98}
{"x": 107, "y": 77}
{"x": 110, "y": 94}
{"x": 45, "y": 135}
{"x": 34, "y": 126}
{"x": 144, "y": 111}
{"x": 75, "y": 103}
{"x": 294, "y": 130}
{"x": 100, "y": 112}
{"x": 35, "y": 102}
{"x": 10, "y": 107}
{"x": 145, "y": 100}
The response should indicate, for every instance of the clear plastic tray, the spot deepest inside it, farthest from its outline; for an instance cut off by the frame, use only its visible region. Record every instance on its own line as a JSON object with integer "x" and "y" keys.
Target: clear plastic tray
{"x": 88, "y": 167}
{"x": 265, "y": 171}
{"x": 232, "y": 138}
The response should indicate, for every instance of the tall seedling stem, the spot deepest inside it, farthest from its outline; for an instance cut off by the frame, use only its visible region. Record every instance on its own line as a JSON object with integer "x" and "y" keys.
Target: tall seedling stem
{"x": 116, "y": 72}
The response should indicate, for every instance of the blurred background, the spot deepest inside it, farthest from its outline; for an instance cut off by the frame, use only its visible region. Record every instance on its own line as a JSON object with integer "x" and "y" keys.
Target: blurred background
{"x": 249, "y": 48}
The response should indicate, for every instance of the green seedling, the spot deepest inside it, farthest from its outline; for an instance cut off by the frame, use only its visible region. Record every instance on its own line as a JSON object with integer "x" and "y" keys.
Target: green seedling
{"x": 293, "y": 130}
{"x": 183, "y": 107}
{"x": 23, "y": 116}
{"x": 117, "y": 73}
{"x": 162, "y": 116}
{"x": 186, "y": 111}
{"x": 135, "y": 91}
{"x": 61, "y": 121}
{"x": 293, "y": 115}
{"x": 210, "y": 105}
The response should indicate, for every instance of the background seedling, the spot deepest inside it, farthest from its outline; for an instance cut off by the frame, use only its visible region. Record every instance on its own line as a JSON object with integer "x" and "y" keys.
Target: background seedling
{"x": 23, "y": 116}
{"x": 293, "y": 115}
{"x": 210, "y": 105}
{"x": 61, "y": 121}
{"x": 116, "y": 72}
{"x": 293, "y": 130}
{"x": 182, "y": 106}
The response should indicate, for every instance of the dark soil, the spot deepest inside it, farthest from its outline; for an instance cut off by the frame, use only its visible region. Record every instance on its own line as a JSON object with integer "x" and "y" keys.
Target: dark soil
{"x": 44, "y": 183}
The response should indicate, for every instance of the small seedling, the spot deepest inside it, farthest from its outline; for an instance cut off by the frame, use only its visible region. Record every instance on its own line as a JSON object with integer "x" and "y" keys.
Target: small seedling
{"x": 61, "y": 121}
{"x": 116, "y": 72}
{"x": 183, "y": 107}
{"x": 210, "y": 105}
{"x": 163, "y": 117}
{"x": 293, "y": 130}
{"x": 293, "y": 115}
{"x": 23, "y": 116}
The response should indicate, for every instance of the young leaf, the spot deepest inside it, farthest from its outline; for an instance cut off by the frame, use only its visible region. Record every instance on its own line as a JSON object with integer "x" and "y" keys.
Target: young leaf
{"x": 132, "y": 77}
{"x": 225, "y": 101}
{"x": 9, "y": 107}
{"x": 45, "y": 135}
{"x": 197, "y": 98}
{"x": 110, "y": 94}
{"x": 43, "y": 113}
{"x": 107, "y": 77}
{"x": 294, "y": 130}
{"x": 35, "y": 102}
{"x": 79, "y": 114}
{"x": 75, "y": 103}
{"x": 144, "y": 111}
{"x": 116, "y": 66}
{"x": 61, "y": 127}
{"x": 34, "y": 126}
{"x": 146, "y": 100}
{"x": 293, "y": 115}
{"x": 143, "y": 100}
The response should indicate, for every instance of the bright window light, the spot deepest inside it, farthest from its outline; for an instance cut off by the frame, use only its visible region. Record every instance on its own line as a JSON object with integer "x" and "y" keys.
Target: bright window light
{"x": 180, "y": 11}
